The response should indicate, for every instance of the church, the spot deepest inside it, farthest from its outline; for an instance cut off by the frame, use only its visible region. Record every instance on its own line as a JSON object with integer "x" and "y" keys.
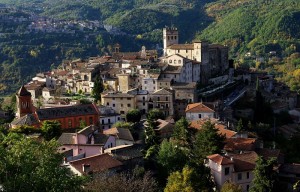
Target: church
{"x": 69, "y": 117}
{"x": 213, "y": 58}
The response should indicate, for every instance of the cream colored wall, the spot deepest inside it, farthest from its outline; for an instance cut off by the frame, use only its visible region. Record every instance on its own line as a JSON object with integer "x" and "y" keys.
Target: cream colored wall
{"x": 124, "y": 83}
{"x": 120, "y": 104}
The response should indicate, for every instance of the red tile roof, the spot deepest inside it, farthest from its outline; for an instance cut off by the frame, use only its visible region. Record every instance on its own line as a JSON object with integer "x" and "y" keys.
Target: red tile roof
{"x": 245, "y": 161}
{"x": 241, "y": 162}
{"x": 219, "y": 159}
{"x": 241, "y": 144}
{"x": 198, "y": 108}
{"x": 197, "y": 124}
{"x": 97, "y": 163}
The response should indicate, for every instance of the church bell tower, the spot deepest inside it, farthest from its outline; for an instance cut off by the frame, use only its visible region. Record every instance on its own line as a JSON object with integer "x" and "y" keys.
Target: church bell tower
{"x": 170, "y": 37}
{"x": 24, "y": 102}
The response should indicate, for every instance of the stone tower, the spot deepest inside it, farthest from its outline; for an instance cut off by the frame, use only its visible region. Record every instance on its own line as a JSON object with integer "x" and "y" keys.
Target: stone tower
{"x": 24, "y": 103}
{"x": 170, "y": 37}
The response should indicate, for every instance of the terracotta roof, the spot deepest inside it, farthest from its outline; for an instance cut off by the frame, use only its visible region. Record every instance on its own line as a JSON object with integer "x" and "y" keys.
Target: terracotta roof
{"x": 269, "y": 153}
{"x": 23, "y": 92}
{"x": 197, "y": 124}
{"x": 245, "y": 161}
{"x": 198, "y": 108}
{"x": 241, "y": 144}
{"x": 219, "y": 159}
{"x": 242, "y": 162}
{"x": 121, "y": 133}
{"x": 98, "y": 163}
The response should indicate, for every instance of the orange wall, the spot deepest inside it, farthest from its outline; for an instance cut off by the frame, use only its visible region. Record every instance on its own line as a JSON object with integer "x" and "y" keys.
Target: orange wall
{"x": 76, "y": 121}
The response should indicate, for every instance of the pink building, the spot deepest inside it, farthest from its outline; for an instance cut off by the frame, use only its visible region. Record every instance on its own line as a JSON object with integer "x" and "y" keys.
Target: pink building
{"x": 84, "y": 143}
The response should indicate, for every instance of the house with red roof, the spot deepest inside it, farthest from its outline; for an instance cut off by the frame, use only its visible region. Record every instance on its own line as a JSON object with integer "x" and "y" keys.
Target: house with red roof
{"x": 95, "y": 165}
{"x": 237, "y": 168}
{"x": 196, "y": 111}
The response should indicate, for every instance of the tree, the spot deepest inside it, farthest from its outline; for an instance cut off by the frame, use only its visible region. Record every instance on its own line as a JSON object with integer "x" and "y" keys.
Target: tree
{"x": 82, "y": 124}
{"x": 239, "y": 126}
{"x": 31, "y": 165}
{"x": 171, "y": 157}
{"x": 97, "y": 89}
{"x": 180, "y": 181}
{"x": 123, "y": 182}
{"x": 51, "y": 129}
{"x": 155, "y": 114}
{"x": 264, "y": 175}
{"x": 133, "y": 116}
{"x": 187, "y": 180}
{"x": 208, "y": 141}
{"x": 231, "y": 187}
{"x": 181, "y": 132}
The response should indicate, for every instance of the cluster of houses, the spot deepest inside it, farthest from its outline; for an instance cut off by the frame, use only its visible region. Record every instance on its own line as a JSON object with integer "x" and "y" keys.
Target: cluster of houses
{"x": 142, "y": 80}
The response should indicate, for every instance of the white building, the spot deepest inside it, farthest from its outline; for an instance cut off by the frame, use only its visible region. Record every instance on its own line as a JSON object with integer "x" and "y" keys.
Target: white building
{"x": 237, "y": 168}
{"x": 196, "y": 111}
{"x": 108, "y": 117}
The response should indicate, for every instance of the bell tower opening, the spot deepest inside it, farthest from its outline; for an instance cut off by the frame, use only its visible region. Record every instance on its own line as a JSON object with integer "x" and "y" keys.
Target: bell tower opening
{"x": 170, "y": 37}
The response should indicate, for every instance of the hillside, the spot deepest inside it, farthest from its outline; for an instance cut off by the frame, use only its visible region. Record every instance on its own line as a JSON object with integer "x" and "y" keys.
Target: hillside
{"x": 256, "y": 26}
{"x": 246, "y": 26}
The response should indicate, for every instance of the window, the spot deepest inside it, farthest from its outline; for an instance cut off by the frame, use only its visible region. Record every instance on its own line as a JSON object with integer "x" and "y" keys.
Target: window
{"x": 179, "y": 61}
{"x": 248, "y": 187}
{"x": 121, "y": 98}
{"x": 158, "y": 98}
{"x": 128, "y": 105}
{"x": 114, "y": 105}
{"x": 153, "y": 82}
{"x": 186, "y": 50}
{"x": 248, "y": 175}
{"x": 121, "y": 105}
{"x": 175, "y": 37}
{"x": 199, "y": 115}
{"x": 122, "y": 112}
{"x": 239, "y": 176}
{"x": 175, "y": 62}
{"x": 107, "y": 103}
{"x": 170, "y": 61}
{"x": 167, "y": 98}
{"x": 70, "y": 123}
{"x": 128, "y": 98}
{"x": 171, "y": 37}
{"x": 113, "y": 98}
{"x": 143, "y": 104}
{"x": 118, "y": 118}
{"x": 226, "y": 170}
{"x": 108, "y": 120}
{"x": 102, "y": 121}
{"x": 145, "y": 82}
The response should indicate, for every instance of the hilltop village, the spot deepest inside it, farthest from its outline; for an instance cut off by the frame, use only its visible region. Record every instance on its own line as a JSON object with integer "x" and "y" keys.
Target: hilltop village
{"x": 93, "y": 99}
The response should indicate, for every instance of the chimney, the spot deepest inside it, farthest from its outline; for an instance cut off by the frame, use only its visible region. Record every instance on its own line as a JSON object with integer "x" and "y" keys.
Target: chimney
{"x": 86, "y": 168}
